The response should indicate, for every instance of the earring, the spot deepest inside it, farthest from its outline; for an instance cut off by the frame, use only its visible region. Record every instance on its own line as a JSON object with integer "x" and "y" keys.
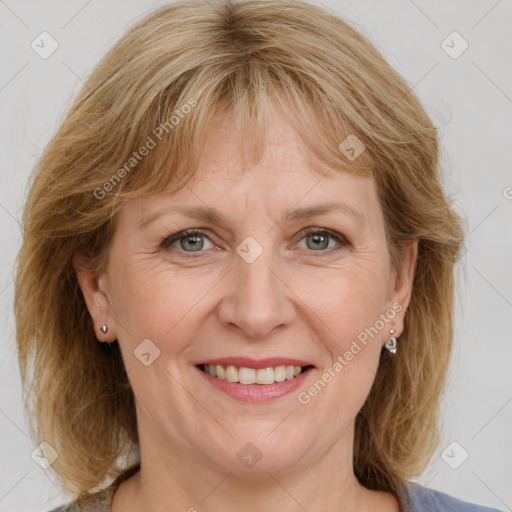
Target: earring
{"x": 105, "y": 345}
{"x": 391, "y": 343}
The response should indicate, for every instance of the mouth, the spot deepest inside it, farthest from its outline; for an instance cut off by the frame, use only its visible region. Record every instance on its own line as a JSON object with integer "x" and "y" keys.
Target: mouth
{"x": 246, "y": 375}
{"x": 255, "y": 380}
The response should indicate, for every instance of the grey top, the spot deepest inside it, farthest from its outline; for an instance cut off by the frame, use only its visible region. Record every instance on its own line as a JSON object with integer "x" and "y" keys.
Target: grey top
{"x": 421, "y": 500}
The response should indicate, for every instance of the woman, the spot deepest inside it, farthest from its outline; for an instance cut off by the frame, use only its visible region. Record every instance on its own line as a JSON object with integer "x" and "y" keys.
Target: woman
{"x": 293, "y": 355}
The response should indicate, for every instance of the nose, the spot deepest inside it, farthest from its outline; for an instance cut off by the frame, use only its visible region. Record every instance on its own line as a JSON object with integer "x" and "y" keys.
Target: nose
{"x": 258, "y": 302}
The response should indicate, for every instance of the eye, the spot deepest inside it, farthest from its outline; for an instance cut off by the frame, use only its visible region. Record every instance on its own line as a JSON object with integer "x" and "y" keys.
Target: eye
{"x": 317, "y": 239}
{"x": 191, "y": 240}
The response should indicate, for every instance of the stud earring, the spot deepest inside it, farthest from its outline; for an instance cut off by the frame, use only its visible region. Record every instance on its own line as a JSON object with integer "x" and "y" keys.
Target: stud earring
{"x": 105, "y": 345}
{"x": 391, "y": 343}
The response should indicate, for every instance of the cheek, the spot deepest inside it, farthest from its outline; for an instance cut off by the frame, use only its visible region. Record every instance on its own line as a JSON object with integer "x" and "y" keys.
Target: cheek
{"x": 348, "y": 301}
{"x": 348, "y": 311}
{"x": 155, "y": 302}
{"x": 350, "y": 305}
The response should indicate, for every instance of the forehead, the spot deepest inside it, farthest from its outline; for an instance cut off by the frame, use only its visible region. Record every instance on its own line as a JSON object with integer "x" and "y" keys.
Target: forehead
{"x": 227, "y": 157}
{"x": 225, "y": 144}
{"x": 286, "y": 177}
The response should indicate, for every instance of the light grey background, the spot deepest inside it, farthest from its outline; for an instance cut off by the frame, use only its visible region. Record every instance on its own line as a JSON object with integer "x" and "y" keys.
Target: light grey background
{"x": 469, "y": 99}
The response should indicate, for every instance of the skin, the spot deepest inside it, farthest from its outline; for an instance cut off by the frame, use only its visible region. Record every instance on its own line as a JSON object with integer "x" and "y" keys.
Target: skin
{"x": 300, "y": 298}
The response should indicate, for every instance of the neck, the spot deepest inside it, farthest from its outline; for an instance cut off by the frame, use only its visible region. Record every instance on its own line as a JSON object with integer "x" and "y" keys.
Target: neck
{"x": 175, "y": 478}
{"x": 234, "y": 493}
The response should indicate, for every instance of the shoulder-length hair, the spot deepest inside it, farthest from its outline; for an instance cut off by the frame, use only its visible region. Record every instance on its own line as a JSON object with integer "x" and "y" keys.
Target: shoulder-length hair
{"x": 138, "y": 125}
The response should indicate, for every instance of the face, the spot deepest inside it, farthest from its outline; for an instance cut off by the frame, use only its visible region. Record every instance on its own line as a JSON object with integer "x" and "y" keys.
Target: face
{"x": 268, "y": 283}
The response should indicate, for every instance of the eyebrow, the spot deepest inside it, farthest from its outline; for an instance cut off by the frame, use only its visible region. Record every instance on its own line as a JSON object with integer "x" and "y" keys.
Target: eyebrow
{"x": 211, "y": 215}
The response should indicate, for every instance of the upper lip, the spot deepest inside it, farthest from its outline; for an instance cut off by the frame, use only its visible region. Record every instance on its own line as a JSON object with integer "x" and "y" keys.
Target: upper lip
{"x": 248, "y": 362}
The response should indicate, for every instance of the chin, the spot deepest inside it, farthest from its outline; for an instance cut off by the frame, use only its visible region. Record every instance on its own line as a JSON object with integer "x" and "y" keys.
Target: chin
{"x": 254, "y": 454}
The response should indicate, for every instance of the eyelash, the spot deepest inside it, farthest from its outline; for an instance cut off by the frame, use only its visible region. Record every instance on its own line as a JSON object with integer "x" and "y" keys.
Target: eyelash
{"x": 166, "y": 243}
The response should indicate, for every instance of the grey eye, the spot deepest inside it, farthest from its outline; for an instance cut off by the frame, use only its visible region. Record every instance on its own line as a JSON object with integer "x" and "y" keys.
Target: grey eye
{"x": 318, "y": 241}
{"x": 189, "y": 241}
{"x": 192, "y": 242}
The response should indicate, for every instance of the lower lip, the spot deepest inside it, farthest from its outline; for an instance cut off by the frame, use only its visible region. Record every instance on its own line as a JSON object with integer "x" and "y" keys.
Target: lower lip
{"x": 256, "y": 393}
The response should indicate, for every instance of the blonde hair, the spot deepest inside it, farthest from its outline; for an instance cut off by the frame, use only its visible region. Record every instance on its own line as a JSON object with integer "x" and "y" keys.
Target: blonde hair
{"x": 247, "y": 57}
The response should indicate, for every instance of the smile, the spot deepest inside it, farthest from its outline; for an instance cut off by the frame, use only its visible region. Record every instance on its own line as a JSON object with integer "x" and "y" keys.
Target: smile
{"x": 255, "y": 380}
{"x": 246, "y": 376}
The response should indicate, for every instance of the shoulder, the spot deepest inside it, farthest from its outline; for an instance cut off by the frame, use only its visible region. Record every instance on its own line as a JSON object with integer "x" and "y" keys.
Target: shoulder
{"x": 98, "y": 502}
{"x": 429, "y": 500}
{"x": 65, "y": 508}
{"x": 75, "y": 508}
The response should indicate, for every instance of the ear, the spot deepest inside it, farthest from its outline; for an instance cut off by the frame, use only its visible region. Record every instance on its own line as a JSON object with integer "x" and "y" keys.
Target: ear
{"x": 401, "y": 285}
{"x": 92, "y": 285}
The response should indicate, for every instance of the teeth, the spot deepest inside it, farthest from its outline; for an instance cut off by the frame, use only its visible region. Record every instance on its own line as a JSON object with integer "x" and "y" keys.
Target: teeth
{"x": 231, "y": 374}
{"x": 280, "y": 373}
{"x": 248, "y": 376}
{"x": 263, "y": 375}
{"x": 219, "y": 370}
